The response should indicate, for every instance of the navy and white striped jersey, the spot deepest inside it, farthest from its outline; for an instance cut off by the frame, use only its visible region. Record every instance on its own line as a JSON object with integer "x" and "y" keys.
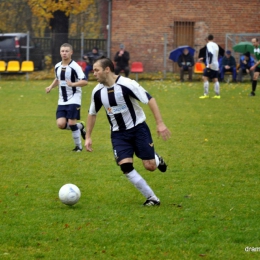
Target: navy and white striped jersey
{"x": 121, "y": 103}
{"x": 212, "y": 55}
{"x": 73, "y": 72}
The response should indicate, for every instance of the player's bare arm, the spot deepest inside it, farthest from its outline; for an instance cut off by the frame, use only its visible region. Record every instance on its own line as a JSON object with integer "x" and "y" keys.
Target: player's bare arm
{"x": 91, "y": 120}
{"x": 162, "y": 130}
{"x": 53, "y": 85}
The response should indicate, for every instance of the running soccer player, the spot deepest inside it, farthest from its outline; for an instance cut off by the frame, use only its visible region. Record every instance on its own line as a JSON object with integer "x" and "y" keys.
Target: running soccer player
{"x": 70, "y": 78}
{"x": 211, "y": 71}
{"x": 129, "y": 133}
{"x": 256, "y": 66}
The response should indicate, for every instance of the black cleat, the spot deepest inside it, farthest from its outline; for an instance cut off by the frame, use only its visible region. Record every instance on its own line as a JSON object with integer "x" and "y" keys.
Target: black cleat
{"x": 83, "y": 130}
{"x": 150, "y": 202}
{"x": 77, "y": 149}
{"x": 162, "y": 165}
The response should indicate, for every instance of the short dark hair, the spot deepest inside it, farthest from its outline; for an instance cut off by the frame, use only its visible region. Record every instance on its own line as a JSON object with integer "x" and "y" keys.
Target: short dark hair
{"x": 106, "y": 62}
{"x": 210, "y": 37}
{"x": 67, "y": 45}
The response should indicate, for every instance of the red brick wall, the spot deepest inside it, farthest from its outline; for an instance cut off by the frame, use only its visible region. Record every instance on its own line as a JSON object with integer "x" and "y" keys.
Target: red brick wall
{"x": 141, "y": 25}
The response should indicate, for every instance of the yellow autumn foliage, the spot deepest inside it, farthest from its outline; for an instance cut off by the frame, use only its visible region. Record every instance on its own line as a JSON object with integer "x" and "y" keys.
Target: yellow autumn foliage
{"x": 34, "y": 16}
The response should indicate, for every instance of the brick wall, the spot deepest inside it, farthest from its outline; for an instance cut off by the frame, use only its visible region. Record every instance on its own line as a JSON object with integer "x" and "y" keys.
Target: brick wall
{"x": 141, "y": 25}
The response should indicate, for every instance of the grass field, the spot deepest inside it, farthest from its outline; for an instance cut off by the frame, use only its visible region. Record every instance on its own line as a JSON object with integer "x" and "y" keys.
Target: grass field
{"x": 209, "y": 195}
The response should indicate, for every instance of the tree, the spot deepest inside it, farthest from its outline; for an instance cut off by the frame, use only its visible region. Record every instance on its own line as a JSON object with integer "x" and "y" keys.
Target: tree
{"x": 57, "y": 13}
{"x": 10, "y": 21}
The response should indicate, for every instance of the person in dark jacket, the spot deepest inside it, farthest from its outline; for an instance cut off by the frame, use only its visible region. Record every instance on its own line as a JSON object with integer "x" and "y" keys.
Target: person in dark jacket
{"x": 228, "y": 64}
{"x": 186, "y": 63}
{"x": 90, "y": 58}
{"x": 246, "y": 62}
{"x": 122, "y": 58}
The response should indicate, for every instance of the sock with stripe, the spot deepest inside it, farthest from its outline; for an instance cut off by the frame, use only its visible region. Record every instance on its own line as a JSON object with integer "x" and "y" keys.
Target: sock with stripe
{"x": 206, "y": 87}
{"x": 137, "y": 180}
{"x": 217, "y": 88}
{"x": 76, "y": 135}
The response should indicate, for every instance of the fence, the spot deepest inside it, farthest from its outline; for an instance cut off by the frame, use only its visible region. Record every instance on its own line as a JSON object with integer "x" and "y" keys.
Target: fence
{"x": 80, "y": 45}
{"x": 234, "y": 38}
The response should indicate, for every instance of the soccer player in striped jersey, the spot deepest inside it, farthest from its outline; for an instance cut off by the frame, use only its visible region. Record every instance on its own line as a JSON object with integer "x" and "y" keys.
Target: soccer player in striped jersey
{"x": 129, "y": 133}
{"x": 70, "y": 78}
{"x": 211, "y": 71}
{"x": 256, "y": 66}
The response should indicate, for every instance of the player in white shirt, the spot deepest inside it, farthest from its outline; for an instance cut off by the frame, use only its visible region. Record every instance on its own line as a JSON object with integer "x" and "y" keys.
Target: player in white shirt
{"x": 70, "y": 78}
{"x": 212, "y": 69}
{"x": 130, "y": 135}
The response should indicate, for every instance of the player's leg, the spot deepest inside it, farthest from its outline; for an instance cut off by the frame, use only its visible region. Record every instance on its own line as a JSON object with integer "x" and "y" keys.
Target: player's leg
{"x": 251, "y": 73}
{"x": 62, "y": 123}
{"x": 216, "y": 88}
{"x": 144, "y": 149}
{"x": 139, "y": 182}
{"x": 206, "y": 74}
{"x": 61, "y": 117}
{"x": 73, "y": 116}
{"x": 254, "y": 82}
{"x": 75, "y": 135}
{"x": 123, "y": 152}
{"x": 81, "y": 126}
{"x": 214, "y": 75}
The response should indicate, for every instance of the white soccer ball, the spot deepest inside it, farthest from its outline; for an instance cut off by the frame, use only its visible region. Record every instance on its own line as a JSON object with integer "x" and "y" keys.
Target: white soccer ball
{"x": 69, "y": 194}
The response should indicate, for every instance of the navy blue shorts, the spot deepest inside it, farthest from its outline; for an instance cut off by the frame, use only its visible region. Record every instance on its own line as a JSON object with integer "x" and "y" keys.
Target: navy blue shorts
{"x": 257, "y": 69}
{"x": 68, "y": 111}
{"x": 209, "y": 73}
{"x": 137, "y": 140}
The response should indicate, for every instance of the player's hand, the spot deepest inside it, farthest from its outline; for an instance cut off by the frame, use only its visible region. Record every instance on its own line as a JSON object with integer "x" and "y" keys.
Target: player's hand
{"x": 252, "y": 68}
{"x": 48, "y": 90}
{"x": 200, "y": 59}
{"x": 69, "y": 83}
{"x": 163, "y": 131}
{"x": 88, "y": 145}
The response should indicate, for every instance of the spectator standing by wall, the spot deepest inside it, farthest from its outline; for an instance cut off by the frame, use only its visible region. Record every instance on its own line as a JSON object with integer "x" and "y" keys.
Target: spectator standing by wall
{"x": 122, "y": 58}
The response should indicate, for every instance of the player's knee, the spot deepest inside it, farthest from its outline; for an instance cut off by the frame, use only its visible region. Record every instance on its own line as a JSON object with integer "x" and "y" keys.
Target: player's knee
{"x": 61, "y": 125}
{"x": 126, "y": 167}
{"x": 150, "y": 165}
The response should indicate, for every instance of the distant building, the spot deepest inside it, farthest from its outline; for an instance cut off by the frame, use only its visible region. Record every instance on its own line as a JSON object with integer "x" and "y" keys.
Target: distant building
{"x": 142, "y": 24}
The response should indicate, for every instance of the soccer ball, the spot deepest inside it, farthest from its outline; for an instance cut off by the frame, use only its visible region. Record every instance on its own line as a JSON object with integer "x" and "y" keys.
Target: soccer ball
{"x": 69, "y": 194}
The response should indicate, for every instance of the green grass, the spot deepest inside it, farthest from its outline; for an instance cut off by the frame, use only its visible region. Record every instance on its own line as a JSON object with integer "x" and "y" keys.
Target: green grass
{"x": 209, "y": 195}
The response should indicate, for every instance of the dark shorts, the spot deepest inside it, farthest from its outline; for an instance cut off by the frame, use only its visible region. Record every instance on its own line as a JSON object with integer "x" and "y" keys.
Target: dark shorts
{"x": 257, "y": 69}
{"x": 68, "y": 111}
{"x": 137, "y": 140}
{"x": 209, "y": 73}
